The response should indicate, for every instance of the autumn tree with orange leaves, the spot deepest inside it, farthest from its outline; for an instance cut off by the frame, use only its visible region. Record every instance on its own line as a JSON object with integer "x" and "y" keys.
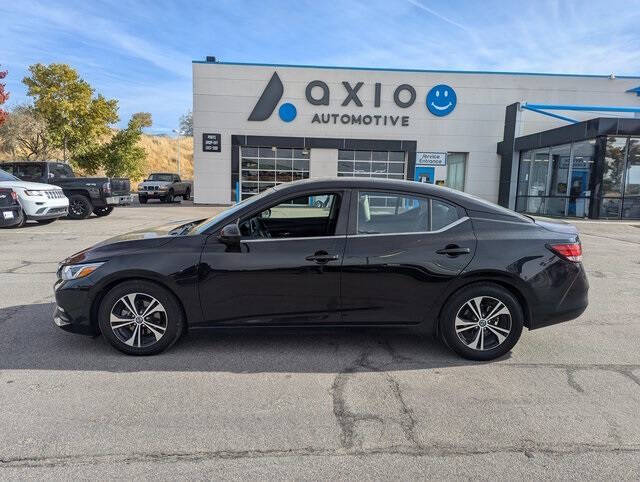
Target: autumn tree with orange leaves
{"x": 3, "y": 98}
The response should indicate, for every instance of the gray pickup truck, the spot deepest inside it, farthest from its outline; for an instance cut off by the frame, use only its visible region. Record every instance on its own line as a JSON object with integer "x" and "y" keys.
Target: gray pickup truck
{"x": 164, "y": 186}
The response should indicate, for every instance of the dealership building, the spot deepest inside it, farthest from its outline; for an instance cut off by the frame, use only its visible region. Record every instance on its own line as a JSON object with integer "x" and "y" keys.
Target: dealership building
{"x": 547, "y": 144}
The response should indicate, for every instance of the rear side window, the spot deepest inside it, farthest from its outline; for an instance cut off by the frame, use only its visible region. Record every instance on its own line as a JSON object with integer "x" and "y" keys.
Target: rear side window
{"x": 387, "y": 213}
{"x": 442, "y": 214}
{"x": 393, "y": 213}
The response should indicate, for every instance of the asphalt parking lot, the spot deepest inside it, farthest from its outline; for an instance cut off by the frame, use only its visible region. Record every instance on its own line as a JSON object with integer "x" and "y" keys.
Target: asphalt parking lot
{"x": 314, "y": 404}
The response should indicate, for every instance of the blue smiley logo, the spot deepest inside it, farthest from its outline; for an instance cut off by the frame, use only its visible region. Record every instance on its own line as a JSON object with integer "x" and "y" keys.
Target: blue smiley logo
{"x": 441, "y": 100}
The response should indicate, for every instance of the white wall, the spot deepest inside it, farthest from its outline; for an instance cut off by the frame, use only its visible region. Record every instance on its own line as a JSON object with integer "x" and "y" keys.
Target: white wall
{"x": 323, "y": 163}
{"x": 225, "y": 94}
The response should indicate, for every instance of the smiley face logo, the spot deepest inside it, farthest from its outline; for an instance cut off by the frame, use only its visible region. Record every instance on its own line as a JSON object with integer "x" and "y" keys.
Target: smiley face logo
{"x": 441, "y": 100}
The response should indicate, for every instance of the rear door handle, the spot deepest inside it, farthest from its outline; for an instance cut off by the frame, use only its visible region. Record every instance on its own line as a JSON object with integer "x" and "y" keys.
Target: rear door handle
{"x": 322, "y": 257}
{"x": 453, "y": 251}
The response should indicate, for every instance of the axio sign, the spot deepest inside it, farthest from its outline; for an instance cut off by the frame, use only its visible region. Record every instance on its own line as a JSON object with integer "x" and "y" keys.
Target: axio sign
{"x": 440, "y": 101}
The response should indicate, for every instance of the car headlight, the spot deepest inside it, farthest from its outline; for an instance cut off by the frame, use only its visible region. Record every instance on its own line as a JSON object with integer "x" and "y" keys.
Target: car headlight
{"x": 30, "y": 192}
{"x": 77, "y": 271}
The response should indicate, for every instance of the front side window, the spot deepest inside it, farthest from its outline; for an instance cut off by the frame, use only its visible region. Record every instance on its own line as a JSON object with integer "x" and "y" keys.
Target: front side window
{"x": 59, "y": 171}
{"x": 300, "y": 217}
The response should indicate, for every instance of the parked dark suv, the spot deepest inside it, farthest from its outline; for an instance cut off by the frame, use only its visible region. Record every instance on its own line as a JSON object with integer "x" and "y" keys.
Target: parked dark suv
{"x": 347, "y": 251}
{"x": 98, "y": 195}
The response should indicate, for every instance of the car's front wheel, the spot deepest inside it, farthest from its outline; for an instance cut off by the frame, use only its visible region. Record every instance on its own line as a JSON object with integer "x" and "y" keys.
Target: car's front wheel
{"x": 80, "y": 207}
{"x": 482, "y": 321}
{"x": 140, "y": 318}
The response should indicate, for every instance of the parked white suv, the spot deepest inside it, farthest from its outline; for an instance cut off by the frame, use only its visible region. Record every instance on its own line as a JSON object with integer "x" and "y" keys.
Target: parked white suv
{"x": 43, "y": 203}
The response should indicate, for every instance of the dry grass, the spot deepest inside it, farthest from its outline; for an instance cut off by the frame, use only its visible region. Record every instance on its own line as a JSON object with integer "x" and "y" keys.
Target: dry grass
{"x": 162, "y": 156}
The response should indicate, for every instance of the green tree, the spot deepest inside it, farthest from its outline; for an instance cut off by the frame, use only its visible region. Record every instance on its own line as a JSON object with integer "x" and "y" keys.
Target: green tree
{"x": 24, "y": 135}
{"x": 76, "y": 119}
{"x": 121, "y": 156}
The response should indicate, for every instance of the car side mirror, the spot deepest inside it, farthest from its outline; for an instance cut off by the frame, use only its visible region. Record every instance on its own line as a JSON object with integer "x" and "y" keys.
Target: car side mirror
{"x": 230, "y": 235}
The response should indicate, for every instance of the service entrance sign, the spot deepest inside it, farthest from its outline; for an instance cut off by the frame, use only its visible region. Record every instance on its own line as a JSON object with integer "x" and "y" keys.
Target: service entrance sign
{"x": 431, "y": 158}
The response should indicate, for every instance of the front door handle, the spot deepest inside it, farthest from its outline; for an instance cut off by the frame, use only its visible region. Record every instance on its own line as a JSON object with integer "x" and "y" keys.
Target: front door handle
{"x": 453, "y": 250}
{"x": 322, "y": 257}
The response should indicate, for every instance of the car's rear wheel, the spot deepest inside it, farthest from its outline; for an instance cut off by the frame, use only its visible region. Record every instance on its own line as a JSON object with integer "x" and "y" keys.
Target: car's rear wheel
{"x": 79, "y": 207}
{"x": 103, "y": 211}
{"x": 187, "y": 195}
{"x": 482, "y": 321}
{"x": 140, "y": 318}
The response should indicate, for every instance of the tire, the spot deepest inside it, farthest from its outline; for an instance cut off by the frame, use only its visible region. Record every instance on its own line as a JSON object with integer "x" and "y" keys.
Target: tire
{"x": 187, "y": 195}
{"x": 103, "y": 211}
{"x": 170, "y": 197}
{"x": 142, "y": 199}
{"x": 137, "y": 337}
{"x": 79, "y": 207}
{"x": 478, "y": 338}
{"x": 45, "y": 221}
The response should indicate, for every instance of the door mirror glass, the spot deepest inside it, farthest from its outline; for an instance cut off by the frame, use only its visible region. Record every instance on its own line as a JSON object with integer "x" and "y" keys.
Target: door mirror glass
{"x": 230, "y": 235}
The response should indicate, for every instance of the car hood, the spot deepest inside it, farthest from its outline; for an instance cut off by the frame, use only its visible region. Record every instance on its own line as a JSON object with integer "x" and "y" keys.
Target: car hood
{"x": 36, "y": 186}
{"x": 141, "y": 239}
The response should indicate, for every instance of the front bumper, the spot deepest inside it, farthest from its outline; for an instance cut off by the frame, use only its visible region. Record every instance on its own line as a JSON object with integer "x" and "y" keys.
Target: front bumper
{"x": 119, "y": 200}
{"x": 152, "y": 194}
{"x": 73, "y": 308}
{"x": 41, "y": 207}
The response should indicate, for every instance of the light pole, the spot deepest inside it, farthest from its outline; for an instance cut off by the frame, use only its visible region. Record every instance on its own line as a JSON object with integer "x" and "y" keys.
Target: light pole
{"x": 178, "y": 134}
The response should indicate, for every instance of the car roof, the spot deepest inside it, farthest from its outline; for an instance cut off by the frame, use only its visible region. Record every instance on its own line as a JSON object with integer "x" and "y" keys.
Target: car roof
{"x": 465, "y": 200}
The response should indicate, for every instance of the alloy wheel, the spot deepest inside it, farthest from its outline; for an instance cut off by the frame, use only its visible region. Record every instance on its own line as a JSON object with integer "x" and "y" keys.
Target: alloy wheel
{"x": 138, "y": 320}
{"x": 77, "y": 207}
{"x": 483, "y": 323}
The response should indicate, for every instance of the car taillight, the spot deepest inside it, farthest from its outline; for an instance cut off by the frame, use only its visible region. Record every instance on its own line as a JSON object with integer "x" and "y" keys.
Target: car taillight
{"x": 572, "y": 251}
{"x": 106, "y": 187}
{"x": 14, "y": 196}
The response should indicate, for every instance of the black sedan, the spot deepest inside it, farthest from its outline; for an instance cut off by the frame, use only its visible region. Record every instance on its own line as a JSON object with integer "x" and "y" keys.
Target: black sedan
{"x": 336, "y": 252}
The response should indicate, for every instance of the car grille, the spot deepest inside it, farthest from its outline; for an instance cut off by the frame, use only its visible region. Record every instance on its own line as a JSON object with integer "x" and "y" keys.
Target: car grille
{"x": 57, "y": 211}
{"x": 149, "y": 188}
{"x": 55, "y": 194}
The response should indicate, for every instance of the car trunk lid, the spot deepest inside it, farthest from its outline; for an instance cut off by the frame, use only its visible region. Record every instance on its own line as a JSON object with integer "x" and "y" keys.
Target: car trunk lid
{"x": 557, "y": 226}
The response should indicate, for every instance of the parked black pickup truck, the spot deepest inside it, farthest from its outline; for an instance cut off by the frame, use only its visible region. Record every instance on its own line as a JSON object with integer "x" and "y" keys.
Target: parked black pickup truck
{"x": 86, "y": 194}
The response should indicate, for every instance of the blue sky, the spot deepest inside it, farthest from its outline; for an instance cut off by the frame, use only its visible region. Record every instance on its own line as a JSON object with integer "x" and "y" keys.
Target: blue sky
{"x": 140, "y": 52}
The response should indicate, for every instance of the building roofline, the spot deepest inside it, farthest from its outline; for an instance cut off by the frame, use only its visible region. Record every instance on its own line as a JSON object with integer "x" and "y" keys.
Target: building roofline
{"x": 432, "y": 71}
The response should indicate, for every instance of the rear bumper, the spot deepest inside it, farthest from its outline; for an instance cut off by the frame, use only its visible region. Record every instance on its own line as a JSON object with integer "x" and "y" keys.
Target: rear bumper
{"x": 9, "y": 216}
{"x": 572, "y": 301}
{"x": 119, "y": 200}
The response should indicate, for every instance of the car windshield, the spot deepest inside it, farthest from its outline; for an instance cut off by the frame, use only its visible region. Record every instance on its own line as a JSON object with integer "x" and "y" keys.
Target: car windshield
{"x": 161, "y": 177}
{"x": 5, "y": 176}
{"x": 201, "y": 228}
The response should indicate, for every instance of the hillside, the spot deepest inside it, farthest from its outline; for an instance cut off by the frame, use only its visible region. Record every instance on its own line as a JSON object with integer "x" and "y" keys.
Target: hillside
{"x": 162, "y": 155}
